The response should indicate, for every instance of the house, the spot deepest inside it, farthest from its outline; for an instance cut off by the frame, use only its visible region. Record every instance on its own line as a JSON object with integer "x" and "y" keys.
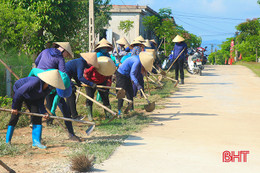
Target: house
{"x": 133, "y": 13}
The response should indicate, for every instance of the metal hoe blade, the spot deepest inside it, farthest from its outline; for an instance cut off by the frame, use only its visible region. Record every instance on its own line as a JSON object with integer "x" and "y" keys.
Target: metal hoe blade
{"x": 120, "y": 94}
{"x": 150, "y": 107}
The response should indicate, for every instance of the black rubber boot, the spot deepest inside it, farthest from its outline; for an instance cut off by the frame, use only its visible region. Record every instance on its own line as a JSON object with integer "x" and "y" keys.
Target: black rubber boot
{"x": 108, "y": 114}
{"x": 89, "y": 111}
{"x": 182, "y": 81}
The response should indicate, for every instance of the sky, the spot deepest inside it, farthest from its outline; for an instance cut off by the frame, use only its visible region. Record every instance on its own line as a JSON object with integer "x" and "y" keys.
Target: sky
{"x": 213, "y": 20}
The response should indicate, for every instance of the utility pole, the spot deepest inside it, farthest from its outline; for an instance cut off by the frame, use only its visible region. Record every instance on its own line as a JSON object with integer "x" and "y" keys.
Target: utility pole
{"x": 91, "y": 35}
{"x": 211, "y": 48}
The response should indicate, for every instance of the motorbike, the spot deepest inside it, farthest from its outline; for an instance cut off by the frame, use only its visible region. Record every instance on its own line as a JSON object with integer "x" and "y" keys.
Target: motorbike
{"x": 195, "y": 60}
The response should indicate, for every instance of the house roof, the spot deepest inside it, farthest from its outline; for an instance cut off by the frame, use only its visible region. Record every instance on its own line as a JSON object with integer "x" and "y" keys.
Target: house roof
{"x": 132, "y": 9}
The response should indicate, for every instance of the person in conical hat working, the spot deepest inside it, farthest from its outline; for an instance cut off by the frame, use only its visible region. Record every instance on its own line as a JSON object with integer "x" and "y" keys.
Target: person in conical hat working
{"x": 75, "y": 69}
{"x": 56, "y": 98}
{"x": 180, "y": 45}
{"x": 103, "y": 48}
{"x": 122, "y": 44}
{"x": 128, "y": 72}
{"x": 32, "y": 90}
{"x": 53, "y": 58}
{"x": 101, "y": 76}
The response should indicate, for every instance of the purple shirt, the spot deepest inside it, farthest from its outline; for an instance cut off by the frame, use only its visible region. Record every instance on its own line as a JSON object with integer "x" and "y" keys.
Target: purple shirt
{"x": 178, "y": 48}
{"x": 29, "y": 88}
{"x": 50, "y": 59}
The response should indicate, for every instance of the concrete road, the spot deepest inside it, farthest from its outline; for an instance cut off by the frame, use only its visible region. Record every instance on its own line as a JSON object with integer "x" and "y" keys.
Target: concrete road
{"x": 210, "y": 114}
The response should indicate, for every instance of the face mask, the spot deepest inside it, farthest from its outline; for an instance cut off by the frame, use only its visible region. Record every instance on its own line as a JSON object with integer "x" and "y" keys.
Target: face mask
{"x": 103, "y": 51}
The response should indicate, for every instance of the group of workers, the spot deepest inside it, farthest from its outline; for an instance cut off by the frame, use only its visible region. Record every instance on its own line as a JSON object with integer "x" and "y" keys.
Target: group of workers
{"x": 56, "y": 82}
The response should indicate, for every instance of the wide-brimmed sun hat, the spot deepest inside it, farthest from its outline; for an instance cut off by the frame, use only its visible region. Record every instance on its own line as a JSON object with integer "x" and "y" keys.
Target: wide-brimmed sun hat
{"x": 104, "y": 45}
{"x": 66, "y": 46}
{"x": 146, "y": 61}
{"x": 106, "y": 66}
{"x": 91, "y": 58}
{"x": 178, "y": 39}
{"x": 103, "y": 40}
{"x": 135, "y": 42}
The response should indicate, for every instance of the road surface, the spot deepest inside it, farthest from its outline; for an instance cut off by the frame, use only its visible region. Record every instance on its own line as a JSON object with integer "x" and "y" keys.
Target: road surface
{"x": 216, "y": 112}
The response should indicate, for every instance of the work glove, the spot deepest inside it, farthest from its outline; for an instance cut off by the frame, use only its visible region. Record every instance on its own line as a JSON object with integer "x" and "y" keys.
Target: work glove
{"x": 139, "y": 87}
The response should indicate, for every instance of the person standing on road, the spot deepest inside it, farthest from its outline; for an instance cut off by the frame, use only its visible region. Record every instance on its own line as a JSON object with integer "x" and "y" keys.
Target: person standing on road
{"x": 180, "y": 45}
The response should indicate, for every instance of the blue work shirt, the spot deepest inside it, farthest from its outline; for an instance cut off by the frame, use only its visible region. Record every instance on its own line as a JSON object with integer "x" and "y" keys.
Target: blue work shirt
{"x": 178, "y": 48}
{"x": 30, "y": 88}
{"x": 50, "y": 59}
{"x": 131, "y": 67}
{"x": 75, "y": 69}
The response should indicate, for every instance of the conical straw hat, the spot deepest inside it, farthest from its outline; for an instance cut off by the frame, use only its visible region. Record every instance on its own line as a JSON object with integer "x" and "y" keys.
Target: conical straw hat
{"x": 146, "y": 60}
{"x": 178, "y": 39}
{"x": 66, "y": 46}
{"x": 101, "y": 45}
{"x": 91, "y": 58}
{"x": 152, "y": 52}
{"x": 147, "y": 43}
{"x": 139, "y": 38}
{"x": 104, "y": 41}
{"x": 53, "y": 78}
{"x": 153, "y": 42}
{"x": 135, "y": 42}
{"x": 123, "y": 41}
{"x": 106, "y": 66}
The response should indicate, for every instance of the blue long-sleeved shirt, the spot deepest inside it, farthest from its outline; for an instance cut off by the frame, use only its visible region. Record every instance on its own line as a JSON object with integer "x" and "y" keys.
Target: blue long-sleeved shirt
{"x": 75, "y": 69}
{"x": 50, "y": 59}
{"x": 131, "y": 67}
{"x": 30, "y": 88}
{"x": 178, "y": 48}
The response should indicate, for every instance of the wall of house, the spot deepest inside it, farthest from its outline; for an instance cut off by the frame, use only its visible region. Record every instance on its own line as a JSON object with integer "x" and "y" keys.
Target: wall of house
{"x": 114, "y": 24}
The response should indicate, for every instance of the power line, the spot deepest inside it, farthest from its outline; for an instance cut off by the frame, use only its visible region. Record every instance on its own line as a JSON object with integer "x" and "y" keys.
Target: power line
{"x": 205, "y": 16}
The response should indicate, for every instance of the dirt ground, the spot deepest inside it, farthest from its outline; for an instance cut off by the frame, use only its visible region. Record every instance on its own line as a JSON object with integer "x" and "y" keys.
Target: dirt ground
{"x": 211, "y": 113}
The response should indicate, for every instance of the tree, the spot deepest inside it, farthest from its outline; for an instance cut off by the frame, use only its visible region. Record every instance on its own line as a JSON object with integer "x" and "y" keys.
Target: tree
{"x": 62, "y": 20}
{"x": 126, "y": 26}
{"x": 17, "y": 26}
{"x": 165, "y": 13}
{"x": 248, "y": 38}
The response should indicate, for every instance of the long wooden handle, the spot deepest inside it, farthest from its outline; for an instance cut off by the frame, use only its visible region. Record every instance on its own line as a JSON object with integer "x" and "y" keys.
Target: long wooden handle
{"x": 106, "y": 108}
{"x": 8, "y": 68}
{"x": 175, "y": 61}
{"x": 108, "y": 87}
{"x": 147, "y": 84}
{"x": 145, "y": 96}
{"x": 6, "y": 167}
{"x": 54, "y": 117}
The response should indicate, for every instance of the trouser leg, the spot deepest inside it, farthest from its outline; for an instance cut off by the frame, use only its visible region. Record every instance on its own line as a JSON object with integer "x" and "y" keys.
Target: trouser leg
{"x": 71, "y": 102}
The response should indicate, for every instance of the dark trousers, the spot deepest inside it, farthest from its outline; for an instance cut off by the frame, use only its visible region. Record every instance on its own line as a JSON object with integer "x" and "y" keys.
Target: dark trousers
{"x": 178, "y": 66}
{"x": 125, "y": 83}
{"x": 64, "y": 109}
{"x": 103, "y": 94}
{"x": 71, "y": 102}
{"x": 33, "y": 108}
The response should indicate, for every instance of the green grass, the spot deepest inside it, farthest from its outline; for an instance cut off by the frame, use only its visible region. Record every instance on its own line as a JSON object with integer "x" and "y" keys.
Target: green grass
{"x": 254, "y": 66}
{"x": 106, "y": 136}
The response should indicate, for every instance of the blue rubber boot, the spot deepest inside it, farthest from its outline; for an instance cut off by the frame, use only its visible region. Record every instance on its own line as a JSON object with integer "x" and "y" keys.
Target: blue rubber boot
{"x": 9, "y": 134}
{"x": 36, "y": 136}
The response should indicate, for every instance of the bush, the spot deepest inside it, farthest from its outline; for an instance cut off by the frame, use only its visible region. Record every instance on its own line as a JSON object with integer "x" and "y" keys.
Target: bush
{"x": 250, "y": 58}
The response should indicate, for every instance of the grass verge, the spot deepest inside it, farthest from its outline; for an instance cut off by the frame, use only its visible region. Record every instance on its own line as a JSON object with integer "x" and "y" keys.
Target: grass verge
{"x": 254, "y": 66}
